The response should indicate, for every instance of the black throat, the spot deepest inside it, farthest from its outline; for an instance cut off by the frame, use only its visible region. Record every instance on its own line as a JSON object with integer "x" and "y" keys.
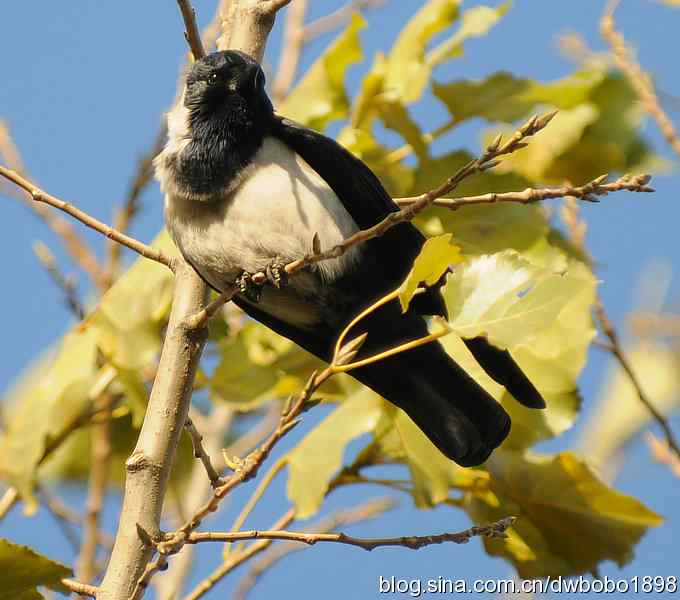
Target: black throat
{"x": 224, "y": 140}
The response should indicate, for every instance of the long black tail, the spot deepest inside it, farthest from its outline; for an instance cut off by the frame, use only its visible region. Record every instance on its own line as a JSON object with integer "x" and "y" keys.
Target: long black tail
{"x": 503, "y": 369}
{"x": 456, "y": 414}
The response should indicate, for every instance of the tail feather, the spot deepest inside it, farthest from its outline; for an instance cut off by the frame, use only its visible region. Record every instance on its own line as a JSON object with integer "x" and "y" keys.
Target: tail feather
{"x": 503, "y": 369}
{"x": 457, "y": 415}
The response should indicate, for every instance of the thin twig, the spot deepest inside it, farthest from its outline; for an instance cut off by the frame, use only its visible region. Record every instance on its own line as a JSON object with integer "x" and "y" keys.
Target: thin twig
{"x": 638, "y": 79}
{"x": 100, "y": 459}
{"x": 361, "y": 513}
{"x": 192, "y": 33}
{"x": 662, "y": 453}
{"x": 65, "y": 284}
{"x": 414, "y": 542}
{"x": 41, "y": 196}
{"x": 77, "y": 248}
{"x": 588, "y": 193}
{"x": 238, "y": 558}
{"x": 661, "y": 324}
{"x": 337, "y": 19}
{"x": 293, "y": 41}
{"x": 142, "y": 177}
{"x": 200, "y": 453}
{"x": 577, "y": 227}
{"x": 82, "y": 589}
{"x": 618, "y": 353}
{"x": 486, "y": 161}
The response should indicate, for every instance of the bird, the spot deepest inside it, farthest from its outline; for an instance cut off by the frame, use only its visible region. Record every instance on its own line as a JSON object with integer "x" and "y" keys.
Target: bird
{"x": 247, "y": 191}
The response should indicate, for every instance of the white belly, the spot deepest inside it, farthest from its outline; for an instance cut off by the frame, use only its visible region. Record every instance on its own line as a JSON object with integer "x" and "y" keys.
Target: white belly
{"x": 274, "y": 213}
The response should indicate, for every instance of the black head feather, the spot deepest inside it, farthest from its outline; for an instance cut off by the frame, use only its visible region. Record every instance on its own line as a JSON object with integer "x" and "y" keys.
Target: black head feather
{"x": 229, "y": 116}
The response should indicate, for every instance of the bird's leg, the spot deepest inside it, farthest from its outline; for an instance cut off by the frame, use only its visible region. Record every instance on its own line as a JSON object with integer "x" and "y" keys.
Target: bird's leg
{"x": 276, "y": 273}
{"x": 248, "y": 288}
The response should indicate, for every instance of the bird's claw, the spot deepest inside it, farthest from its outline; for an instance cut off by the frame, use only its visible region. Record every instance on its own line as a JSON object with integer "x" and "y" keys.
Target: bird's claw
{"x": 276, "y": 274}
{"x": 248, "y": 288}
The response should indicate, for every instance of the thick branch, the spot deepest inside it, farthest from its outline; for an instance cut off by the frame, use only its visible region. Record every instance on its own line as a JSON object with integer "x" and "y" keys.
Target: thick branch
{"x": 41, "y": 196}
{"x": 637, "y": 78}
{"x": 244, "y": 470}
{"x": 148, "y": 468}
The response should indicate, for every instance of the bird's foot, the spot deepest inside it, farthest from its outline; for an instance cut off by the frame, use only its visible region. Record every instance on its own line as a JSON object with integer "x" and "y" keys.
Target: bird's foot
{"x": 249, "y": 288}
{"x": 276, "y": 273}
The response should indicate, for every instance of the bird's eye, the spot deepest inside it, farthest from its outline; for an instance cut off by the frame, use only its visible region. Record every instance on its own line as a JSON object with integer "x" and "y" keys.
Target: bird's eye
{"x": 213, "y": 79}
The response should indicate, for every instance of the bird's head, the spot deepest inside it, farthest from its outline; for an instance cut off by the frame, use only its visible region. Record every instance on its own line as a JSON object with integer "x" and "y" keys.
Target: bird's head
{"x": 227, "y": 86}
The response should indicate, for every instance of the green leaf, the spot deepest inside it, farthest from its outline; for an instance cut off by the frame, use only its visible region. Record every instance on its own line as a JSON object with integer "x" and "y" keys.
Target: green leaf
{"x": 541, "y": 316}
{"x": 130, "y": 316}
{"x": 22, "y": 570}
{"x": 320, "y": 97}
{"x": 408, "y": 70}
{"x": 568, "y": 521}
{"x": 237, "y": 379}
{"x": 410, "y": 64}
{"x": 396, "y": 177}
{"x": 46, "y": 408}
{"x": 436, "y": 256}
{"x": 506, "y": 98}
{"x": 314, "y": 461}
{"x": 507, "y": 299}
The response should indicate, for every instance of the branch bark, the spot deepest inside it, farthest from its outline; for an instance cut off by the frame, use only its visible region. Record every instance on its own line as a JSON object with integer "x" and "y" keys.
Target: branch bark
{"x": 148, "y": 468}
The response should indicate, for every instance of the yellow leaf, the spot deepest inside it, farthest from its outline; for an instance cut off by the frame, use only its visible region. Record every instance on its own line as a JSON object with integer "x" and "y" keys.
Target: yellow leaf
{"x": 436, "y": 256}
{"x": 22, "y": 570}
{"x": 314, "y": 461}
{"x": 568, "y": 521}
{"x": 320, "y": 97}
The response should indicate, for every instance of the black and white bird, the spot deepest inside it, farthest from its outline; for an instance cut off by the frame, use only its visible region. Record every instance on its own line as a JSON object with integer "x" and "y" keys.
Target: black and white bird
{"x": 247, "y": 191}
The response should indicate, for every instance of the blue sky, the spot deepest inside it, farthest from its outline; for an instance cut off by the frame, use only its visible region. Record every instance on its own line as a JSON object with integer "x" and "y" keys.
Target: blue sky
{"x": 84, "y": 84}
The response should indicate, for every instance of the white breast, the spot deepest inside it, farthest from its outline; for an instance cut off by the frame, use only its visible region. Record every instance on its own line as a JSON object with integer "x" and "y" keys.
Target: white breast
{"x": 274, "y": 213}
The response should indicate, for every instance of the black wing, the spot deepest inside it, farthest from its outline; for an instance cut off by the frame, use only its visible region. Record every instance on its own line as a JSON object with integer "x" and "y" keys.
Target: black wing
{"x": 368, "y": 203}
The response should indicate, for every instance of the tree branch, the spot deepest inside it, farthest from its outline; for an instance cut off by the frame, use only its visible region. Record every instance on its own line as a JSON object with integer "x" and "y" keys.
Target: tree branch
{"x": 64, "y": 283}
{"x": 77, "y": 248}
{"x": 192, "y": 34}
{"x": 200, "y": 453}
{"x": 588, "y": 193}
{"x": 417, "y": 204}
{"x": 638, "y": 79}
{"x": 337, "y": 19}
{"x": 100, "y": 459}
{"x": 238, "y": 558}
{"x": 41, "y": 196}
{"x": 244, "y": 470}
{"x": 293, "y": 42}
{"x": 361, "y": 513}
{"x": 577, "y": 229}
{"x": 82, "y": 589}
{"x": 148, "y": 468}
{"x": 494, "y": 530}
